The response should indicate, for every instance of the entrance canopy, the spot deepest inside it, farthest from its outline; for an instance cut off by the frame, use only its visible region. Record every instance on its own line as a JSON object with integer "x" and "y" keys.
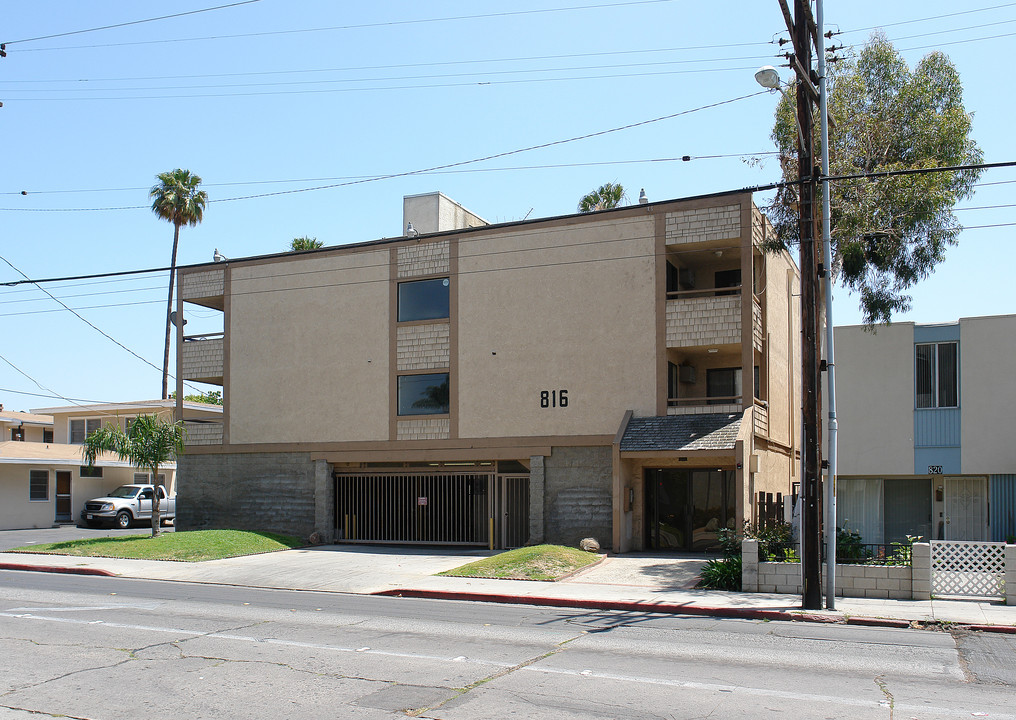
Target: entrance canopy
{"x": 710, "y": 431}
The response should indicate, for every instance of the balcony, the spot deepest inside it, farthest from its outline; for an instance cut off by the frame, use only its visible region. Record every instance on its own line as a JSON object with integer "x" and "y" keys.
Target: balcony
{"x": 698, "y": 318}
{"x": 204, "y": 287}
{"x": 760, "y": 418}
{"x": 204, "y": 433}
{"x": 703, "y": 405}
{"x": 202, "y": 357}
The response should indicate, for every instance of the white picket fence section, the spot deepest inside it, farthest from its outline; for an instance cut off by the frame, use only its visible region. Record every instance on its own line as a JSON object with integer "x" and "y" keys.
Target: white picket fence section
{"x": 967, "y": 568}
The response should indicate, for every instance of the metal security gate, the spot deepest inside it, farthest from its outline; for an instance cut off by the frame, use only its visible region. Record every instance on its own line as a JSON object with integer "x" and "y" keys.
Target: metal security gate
{"x": 967, "y": 568}
{"x": 427, "y": 508}
{"x": 512, "y": 510}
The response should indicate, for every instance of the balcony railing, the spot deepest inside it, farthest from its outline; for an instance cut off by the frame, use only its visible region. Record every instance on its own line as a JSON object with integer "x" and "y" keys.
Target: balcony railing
{"x": 204, "y": 433}
{"x": 202, "y": 357}
{"x": 702, "y": 405}
{"x": 760, "y": 418}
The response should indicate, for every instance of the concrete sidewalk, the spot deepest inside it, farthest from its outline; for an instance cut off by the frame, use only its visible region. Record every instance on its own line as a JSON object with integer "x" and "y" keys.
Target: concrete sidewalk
{"x": 633, "y": 582}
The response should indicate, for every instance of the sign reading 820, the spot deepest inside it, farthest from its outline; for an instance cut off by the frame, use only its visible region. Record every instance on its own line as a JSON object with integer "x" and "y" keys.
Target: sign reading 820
{"x": 553, "y": 398}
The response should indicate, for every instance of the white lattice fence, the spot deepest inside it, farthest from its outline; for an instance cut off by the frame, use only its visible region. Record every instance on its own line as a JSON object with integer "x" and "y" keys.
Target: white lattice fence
{"x": 960, "y": 567}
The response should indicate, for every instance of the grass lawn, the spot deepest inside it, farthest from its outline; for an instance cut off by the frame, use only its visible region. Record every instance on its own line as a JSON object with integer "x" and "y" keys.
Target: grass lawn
{"x": 540, "y": 562}
{"x": 188, "y": 546}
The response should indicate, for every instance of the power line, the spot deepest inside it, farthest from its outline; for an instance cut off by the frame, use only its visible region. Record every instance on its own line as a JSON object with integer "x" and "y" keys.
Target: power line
{"x": 59, "y": 397}
{"x": 683, "y": 158}
{"x": 132, "y": 22}
{"x": 40, "y": 385}
{"x": 434, "y": 168}
{"x": 926, "y": 19}
{"x": 362, "y": 26}
{"x": 82, "y": 319}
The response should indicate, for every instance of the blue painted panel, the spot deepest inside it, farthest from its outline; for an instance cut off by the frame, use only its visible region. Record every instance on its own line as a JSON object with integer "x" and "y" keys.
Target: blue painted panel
{"x": 936, "y": 333}
{"x": 1003, "y": 506}
{"x": 948, "y": 458}
{"x": 938, "y": 427}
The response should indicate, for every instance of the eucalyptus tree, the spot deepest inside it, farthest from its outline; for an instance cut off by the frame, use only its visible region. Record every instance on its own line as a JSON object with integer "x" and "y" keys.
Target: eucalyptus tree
{"x": 888, "y": 233}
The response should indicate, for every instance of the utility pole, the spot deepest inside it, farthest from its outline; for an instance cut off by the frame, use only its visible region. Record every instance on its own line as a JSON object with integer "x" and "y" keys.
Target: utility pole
{"x": 803, "y": 33}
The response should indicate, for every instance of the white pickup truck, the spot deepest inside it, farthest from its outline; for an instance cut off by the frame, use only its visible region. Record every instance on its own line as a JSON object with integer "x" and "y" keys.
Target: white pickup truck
{"x": 126, "y": 504}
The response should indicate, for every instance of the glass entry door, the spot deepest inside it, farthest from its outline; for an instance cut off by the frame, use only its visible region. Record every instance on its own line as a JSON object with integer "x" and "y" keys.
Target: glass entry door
{"x": 685, "y": 509}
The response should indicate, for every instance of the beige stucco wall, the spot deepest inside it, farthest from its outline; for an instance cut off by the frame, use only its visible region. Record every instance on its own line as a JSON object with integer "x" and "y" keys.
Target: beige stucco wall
{"x": 434, "y": 212}
{"x": 565, "y": 307}
{"x": 988, "y": 393}
{"x": 782, "y": 346}
{"x": 875, "y": 380}
{"x": 318, "y": 329}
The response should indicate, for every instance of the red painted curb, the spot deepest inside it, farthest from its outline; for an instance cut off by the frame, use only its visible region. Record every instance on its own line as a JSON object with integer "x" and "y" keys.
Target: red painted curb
{"x": 878, "y": 622}
{"x": 56, "y": 569}
{"x": 1008, "y": 629}
{"x": 669, "y": 608}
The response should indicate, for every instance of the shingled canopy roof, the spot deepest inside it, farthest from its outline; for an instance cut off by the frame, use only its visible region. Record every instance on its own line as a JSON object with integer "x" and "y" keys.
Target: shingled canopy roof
{"x": 713, "y": 431}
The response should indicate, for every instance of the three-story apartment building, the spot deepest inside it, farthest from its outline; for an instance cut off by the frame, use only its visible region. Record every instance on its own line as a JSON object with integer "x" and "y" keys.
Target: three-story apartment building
{"x": 628, "y": 374}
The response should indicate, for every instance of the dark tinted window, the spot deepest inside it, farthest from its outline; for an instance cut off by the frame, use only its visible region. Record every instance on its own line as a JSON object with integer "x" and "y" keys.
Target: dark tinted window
{"x": 423, "y": 300}
{"x": 38, "y": 485}
{"x": 423, "y": 394}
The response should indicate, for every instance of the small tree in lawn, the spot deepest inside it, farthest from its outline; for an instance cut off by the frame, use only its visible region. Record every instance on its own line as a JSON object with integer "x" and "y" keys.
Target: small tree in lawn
{"x": 148, "y": 443}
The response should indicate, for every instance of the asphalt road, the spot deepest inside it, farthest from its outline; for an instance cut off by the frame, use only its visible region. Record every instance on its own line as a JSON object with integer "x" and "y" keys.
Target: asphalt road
{"x": 88, "y": 647}
{"x": 38, "y": 536}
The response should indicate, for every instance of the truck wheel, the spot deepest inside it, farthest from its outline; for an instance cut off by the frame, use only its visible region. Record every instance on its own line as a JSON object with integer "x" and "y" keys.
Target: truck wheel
{"x": 123, "y": 519}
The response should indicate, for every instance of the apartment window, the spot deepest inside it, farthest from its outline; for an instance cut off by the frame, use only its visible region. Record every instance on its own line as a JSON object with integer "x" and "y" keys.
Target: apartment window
{"x": 423, "y": 300}
{"x": 423, "y": 394}
{"x": 727, "y": 279}
{"x": 18, "y": 434}
{"x": 47, "y": 435}
{"x": 80, "y": 429}
{"x": 93, "y": 471}
{"x": 937, "y": 375}
{"x": 724, "y": 384}
{"x": 38, "y": 485}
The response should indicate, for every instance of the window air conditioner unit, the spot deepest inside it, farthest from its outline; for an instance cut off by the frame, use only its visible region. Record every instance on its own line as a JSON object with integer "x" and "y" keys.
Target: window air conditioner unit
{"x": 686, "y": 373}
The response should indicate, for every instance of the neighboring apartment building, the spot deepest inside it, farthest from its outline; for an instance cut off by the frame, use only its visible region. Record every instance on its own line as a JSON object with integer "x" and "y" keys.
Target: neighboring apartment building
{"x": 629, "y": 374}
{"x": 926, "y": 416}
{"x": 43, "y": 478}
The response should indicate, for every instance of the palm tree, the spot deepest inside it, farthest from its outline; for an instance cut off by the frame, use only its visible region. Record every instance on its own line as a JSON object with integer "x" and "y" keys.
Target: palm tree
{"x": 305, "y": 243}
{"x": 177, "y": 199}
{"x": 148, "y": 443}
{"x": 605, "y": 197}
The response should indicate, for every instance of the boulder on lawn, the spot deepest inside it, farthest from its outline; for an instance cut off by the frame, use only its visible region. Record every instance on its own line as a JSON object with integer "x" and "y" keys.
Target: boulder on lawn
{"x": 590, "y": 545}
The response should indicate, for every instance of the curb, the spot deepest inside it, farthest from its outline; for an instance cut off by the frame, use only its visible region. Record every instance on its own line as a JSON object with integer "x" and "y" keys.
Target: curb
{"x": 670, "y": 608}
{"x": 57, "y": 569}
{"x": 679, "y": 609}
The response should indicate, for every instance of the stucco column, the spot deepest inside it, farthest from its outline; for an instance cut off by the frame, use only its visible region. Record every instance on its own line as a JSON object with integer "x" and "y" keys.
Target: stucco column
{"x": 537, "y": 486}
{"x": 324, "y": 501}
{"x": 1010, "y": 574}
{"x": 749, "y": 565}
{"x": 920, "y": 563}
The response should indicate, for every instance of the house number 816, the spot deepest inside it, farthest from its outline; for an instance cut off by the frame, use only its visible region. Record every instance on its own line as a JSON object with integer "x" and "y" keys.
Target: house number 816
{"x": 553, "y": 398}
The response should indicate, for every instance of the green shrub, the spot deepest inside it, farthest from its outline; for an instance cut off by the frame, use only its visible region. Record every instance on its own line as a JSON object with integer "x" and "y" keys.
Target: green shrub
{"x": 722, "y": 574}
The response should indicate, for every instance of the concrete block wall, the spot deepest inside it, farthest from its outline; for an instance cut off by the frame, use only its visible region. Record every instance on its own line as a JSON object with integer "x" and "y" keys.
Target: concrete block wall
{"x": 920, "y": 562}
{"x": 275, "y": 492}
{"x": 423, "y": 347}
{"x": 704, "y": 321}
{"x": 577, "y": 495}
{"x": 895, "y": 582}
{"x": 429, "y": 258}
{"x": 714, "y": 223}
{"x": 202, "y": 358}
{"x": 206, "y": 283}
{"x": 1010, "y": 574}
{"x": 424, "y": 429}
{"x": 203, "y": 433}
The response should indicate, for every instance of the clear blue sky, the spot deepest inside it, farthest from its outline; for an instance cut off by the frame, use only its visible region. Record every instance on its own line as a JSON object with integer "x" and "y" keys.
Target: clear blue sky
{"x": 273, "y": 96}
